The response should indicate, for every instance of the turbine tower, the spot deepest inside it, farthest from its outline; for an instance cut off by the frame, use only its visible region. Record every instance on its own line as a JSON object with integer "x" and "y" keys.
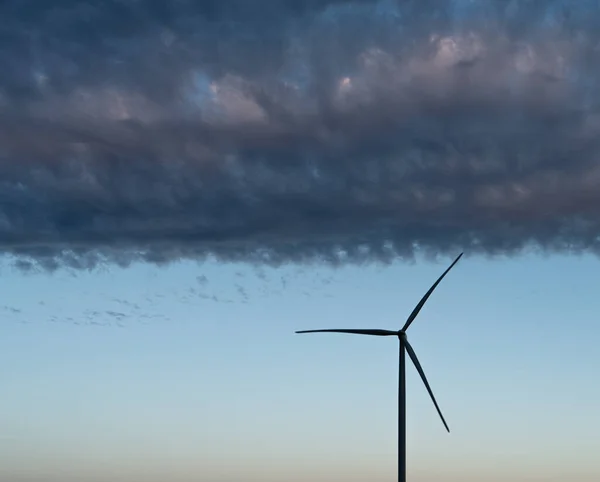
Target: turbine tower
{"x": 405, "y": 347}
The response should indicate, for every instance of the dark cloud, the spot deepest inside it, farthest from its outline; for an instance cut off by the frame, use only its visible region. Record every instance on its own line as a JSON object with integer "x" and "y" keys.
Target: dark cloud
{"x": 296, "y": 131}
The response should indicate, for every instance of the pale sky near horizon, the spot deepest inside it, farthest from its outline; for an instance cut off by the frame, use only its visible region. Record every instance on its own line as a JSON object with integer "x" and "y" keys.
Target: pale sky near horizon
{"x": 183, "y": 387}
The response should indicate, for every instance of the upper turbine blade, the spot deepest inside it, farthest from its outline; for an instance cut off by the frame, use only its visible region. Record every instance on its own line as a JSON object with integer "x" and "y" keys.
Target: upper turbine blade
{"x": 355, "y": 332}
{"x": 413, "y": 357}
{"x": 415, "y": 312}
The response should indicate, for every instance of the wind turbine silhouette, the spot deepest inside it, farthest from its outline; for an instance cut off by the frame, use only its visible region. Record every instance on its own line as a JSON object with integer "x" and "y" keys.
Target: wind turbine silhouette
{"x": 405, "y": 347}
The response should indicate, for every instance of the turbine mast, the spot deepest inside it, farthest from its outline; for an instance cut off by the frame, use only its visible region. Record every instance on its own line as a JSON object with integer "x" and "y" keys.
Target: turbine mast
{"x": 402, "y": 412}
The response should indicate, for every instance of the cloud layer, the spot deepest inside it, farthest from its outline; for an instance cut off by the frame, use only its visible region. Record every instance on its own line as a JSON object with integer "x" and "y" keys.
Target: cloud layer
{"x": 274, "y": 131}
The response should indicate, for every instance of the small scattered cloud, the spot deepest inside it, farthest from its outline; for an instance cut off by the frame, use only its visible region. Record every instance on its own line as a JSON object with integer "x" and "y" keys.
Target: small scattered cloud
{"x": 202, "y": 280}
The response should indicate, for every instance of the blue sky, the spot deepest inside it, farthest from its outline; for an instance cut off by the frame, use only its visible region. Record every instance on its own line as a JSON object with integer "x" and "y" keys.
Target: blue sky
{"x": 188, "y": 388}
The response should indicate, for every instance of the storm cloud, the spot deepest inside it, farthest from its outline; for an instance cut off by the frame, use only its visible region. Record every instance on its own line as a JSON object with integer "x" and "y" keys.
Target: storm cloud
{"x": 297, "y": 131}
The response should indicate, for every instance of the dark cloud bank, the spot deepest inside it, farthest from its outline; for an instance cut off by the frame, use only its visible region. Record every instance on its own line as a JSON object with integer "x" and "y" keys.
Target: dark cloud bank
{"x": 294, "y": 131}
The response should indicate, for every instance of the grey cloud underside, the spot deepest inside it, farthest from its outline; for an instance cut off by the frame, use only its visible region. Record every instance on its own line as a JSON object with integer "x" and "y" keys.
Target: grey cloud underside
{"x": 331, "y": 131}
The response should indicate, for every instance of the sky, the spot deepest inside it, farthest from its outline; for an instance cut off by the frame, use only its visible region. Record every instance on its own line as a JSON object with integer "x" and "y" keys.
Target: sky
{"x": 183, "y": 184}
{"x": 138, "y": 374}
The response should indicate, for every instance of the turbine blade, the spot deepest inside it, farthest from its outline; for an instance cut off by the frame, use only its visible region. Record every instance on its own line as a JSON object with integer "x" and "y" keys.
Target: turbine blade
{"x": 415, "y": 312}
{"x": 355, "y": 332}
{"x": 415, "y": 360}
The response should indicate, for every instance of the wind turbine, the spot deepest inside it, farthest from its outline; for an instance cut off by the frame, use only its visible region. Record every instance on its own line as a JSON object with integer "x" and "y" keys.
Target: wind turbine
{"x": 405, "y": 347}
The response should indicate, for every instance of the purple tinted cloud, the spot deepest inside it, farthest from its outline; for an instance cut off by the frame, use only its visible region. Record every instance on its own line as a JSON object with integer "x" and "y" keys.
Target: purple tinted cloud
{"x": 279, "y": 132}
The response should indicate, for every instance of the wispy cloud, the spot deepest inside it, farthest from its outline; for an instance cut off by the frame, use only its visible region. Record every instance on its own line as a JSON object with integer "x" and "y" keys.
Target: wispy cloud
{"x": 315, "y": 130}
